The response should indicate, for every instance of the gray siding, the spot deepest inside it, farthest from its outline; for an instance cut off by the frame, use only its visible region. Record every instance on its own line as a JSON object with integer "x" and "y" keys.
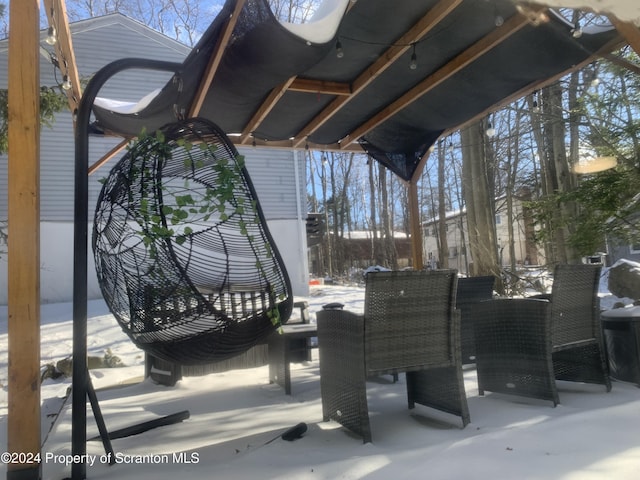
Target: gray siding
{"x": 272, "y": 172}
{"x": 96, "y": 43}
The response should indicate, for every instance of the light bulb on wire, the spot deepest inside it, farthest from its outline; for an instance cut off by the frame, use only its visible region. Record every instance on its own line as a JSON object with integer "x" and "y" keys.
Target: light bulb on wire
{"x": 577, "y": 31}
{"x": 413, "y": 63}
{"x": 51, "y": 36}
{"x": 491, "y": 132}
{"x": 66, "y": 83}
{"x": 339, "y": 50}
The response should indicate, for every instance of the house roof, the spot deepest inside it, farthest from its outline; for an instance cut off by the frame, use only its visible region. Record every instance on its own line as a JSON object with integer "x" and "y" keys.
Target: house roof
{"x": 270, "y": 87}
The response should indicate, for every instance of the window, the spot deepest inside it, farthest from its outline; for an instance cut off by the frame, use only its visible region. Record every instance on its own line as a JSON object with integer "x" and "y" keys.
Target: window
{"x": 498, "y": 220}
{"x": 634, "y": 247}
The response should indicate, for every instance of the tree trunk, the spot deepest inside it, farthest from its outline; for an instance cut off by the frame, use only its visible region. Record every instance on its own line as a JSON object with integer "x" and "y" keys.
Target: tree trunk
{"x": 375, "y": 246}
{"x": 442, "y": 211}
{"x": 560, "y": 178}
{"x": 479, "y": 195}
{"x": 389, "y": 250}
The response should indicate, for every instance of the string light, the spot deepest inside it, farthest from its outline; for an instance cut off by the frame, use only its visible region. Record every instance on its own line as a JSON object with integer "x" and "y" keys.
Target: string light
{"x": 491, "y": 132}
{"x": 51, "y": 36}
{"x": 499, "y": 19}
{"x": 66, "y": 84}
{"x": 577, "y": 31}
{"x": 413, "y": 64}
{"x": 339, "y": 50}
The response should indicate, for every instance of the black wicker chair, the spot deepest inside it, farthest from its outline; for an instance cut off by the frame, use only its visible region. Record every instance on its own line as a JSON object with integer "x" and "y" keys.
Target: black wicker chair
{"x": 409, "y": 325}
{"x": 183, "y": 255}
{"x": 524, "y": 345}
{"x": 471, "y": 290}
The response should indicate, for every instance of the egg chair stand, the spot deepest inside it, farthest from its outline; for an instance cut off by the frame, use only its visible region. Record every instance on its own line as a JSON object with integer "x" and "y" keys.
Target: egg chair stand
{"x": 183, "y": 255}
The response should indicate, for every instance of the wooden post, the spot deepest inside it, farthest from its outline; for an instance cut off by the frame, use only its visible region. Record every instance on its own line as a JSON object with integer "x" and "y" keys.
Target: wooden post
{"x": 415, "y": 227}
{"x": 23, "y": 425}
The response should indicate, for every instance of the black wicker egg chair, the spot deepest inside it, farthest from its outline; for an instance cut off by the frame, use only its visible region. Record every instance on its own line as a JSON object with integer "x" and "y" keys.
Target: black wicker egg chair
{"x": 183, "y": 255}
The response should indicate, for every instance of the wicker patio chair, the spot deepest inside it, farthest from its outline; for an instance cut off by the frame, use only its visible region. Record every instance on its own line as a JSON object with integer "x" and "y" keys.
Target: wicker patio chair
{"x": 409, "y": 325}
{"x": 470, "y": 291}
{"x": 524, "y": 345}
{"x": 576, "y": 333}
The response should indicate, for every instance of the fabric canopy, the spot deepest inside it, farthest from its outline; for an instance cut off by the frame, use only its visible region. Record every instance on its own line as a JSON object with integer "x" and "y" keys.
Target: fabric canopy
{"x": 272, "y": 87}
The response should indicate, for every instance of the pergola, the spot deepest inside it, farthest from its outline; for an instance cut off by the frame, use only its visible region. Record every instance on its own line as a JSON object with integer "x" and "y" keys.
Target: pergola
{"x": 388, "y": 82}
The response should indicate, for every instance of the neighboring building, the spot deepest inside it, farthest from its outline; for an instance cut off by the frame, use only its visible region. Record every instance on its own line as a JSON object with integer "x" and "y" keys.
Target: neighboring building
{"x": 278, "y": 175}
{"x": 357, "y": 251}
{"x": 459, "y": 253}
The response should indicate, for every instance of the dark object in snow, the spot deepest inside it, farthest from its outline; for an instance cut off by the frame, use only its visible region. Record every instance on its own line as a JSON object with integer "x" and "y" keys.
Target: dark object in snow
{"x": 333, "y": 306}
{"x": 145, "y": 426}
{"x": 295, "y": 432}
{"x": 624, "y": 280}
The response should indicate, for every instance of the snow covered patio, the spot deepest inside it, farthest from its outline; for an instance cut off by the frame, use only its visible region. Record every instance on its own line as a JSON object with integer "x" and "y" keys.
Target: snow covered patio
{"x": 237, "y": 417}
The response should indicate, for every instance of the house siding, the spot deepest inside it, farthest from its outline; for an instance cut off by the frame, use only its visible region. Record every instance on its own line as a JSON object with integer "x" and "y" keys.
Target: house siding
{"x": 281, "y": 193}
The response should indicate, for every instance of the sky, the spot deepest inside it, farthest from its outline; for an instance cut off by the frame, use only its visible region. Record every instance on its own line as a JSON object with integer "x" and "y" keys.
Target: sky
{"x": 237, "y": 417}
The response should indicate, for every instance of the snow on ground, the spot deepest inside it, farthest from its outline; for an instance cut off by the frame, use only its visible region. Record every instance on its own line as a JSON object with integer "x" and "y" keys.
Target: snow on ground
{"x": 236, "y": 419}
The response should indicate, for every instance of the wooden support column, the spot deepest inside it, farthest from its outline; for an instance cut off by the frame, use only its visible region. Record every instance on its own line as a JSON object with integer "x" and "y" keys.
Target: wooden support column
{"x": 23, "y": 424}
{"x": 414, "y": 224}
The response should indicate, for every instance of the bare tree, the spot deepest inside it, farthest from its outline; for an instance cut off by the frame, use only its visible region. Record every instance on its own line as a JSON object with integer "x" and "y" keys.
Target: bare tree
{"x": 477, "y": 177}
{"x": 183, "y": 20}
{"x": 442, "y": 209}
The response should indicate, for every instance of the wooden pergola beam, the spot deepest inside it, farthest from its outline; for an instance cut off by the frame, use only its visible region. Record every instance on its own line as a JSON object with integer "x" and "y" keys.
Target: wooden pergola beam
{"x": 321, "y": 87}
{"x": 271, "y": 101}
{"x": 108, "y": 156}
{"x": 292, "y": 84}
{"x": 23, "y": 420}
{"x": 496, "y": 37}
{"x": 56, "y": 11}
{"x": 615, "y": 43}
{"x": 214, "y": 62}
{"x": 419, "y": 30}
{"x": 629, "y": 31}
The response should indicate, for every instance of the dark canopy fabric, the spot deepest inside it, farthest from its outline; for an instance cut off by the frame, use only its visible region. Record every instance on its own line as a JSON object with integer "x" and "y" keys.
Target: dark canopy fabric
{"x": 262, "y": 55}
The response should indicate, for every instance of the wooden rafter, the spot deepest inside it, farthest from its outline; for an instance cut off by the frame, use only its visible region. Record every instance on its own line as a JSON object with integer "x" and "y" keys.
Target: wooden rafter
{"x": 629, "y": 31}
{"x": 610, "y": 46}
{"x": 320, "y": 86}
{"x": 288, "y": 145}
{"x": 419, "y": 30}
{"x": 108, "y": 156}
{"x": 264, "y": 110}
{"x": 214, "y": 62}
{"x": 56, "y": 11}
{"x": 496, "y": 37}
{"x": 621, "y": 62}
{"x": 293, "y": 84}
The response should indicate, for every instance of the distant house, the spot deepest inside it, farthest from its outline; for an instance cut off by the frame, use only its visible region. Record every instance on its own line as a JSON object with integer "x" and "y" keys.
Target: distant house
{"x": 278, "y": 175}
{"x": 357, "y": 251}
{"x": 459, "y": 253}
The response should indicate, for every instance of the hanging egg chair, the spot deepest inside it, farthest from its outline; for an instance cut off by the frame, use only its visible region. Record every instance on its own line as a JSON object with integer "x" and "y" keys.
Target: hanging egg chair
{"x": 183, "y": 255}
